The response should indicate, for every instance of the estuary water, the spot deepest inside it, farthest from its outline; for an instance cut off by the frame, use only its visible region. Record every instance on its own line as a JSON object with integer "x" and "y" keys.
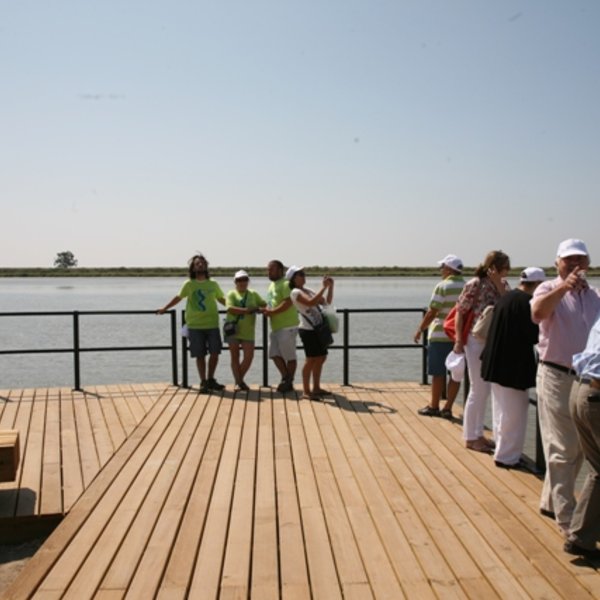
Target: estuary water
{"x": 141, "y": 293}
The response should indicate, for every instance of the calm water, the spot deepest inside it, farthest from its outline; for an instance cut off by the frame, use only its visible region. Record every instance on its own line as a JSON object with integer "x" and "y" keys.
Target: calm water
{"x": 66, "y": 294}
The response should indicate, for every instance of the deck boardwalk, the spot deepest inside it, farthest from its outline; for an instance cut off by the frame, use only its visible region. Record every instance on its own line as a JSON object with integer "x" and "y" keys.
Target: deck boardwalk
{"x": 267, "y": 497}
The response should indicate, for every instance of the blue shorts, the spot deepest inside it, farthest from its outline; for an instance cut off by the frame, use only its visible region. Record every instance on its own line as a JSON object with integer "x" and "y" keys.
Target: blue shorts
{"x": 436, "y": 357}
{"x": 204, "y": 341}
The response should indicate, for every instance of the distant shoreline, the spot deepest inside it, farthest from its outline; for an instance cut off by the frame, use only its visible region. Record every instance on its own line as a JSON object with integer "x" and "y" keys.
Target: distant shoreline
{"x": 394, "y": 271}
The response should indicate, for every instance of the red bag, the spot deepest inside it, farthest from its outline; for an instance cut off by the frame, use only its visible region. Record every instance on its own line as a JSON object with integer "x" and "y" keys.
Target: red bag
{"x": 450, "y": 324}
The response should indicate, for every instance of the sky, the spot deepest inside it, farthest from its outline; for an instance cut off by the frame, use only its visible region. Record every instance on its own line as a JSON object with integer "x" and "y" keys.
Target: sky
{"x": 333, "y": 133}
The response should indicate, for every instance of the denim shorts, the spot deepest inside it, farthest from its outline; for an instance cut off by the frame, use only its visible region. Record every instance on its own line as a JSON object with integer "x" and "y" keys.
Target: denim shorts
{"x": 436, "y": 357}
{"x": 204, "y": 341}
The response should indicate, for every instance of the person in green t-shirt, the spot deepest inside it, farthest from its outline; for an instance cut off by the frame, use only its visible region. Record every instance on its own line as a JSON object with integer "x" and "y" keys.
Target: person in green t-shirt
{"x": 284, "y": 325}
{"x": 202, "y": 320}
{"x": 242, "y": 305}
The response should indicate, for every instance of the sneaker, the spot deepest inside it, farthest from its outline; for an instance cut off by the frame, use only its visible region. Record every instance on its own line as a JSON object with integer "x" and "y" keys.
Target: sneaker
{"x": 204, "y": 388}
{"x": 285, "y": 386}
{"x": 214, "y": 385}
{"x": 573, "y": 548}
{"x": 429, "y": 411}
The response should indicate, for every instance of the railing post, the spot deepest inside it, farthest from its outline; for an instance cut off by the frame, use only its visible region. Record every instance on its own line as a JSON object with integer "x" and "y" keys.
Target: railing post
{"x": 424, "y": 380}
{"x": 175, "y": 375}
{"x": 265, "y": 354}
{"x": 76, "y": 354}
{"x": 346, "y": 347}
{"x": 184, "y": 358}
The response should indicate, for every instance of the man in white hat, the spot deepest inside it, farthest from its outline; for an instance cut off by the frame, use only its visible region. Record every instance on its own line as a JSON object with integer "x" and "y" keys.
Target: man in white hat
{"x": 508, "y": 361}
{"x": 444, "y": 297}
{"x": 565, "y": 309}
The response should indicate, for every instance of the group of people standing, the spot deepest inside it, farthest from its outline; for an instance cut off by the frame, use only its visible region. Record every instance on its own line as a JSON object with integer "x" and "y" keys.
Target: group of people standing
{"x": 559, "y": 317}
{"x": 290, "y": 306}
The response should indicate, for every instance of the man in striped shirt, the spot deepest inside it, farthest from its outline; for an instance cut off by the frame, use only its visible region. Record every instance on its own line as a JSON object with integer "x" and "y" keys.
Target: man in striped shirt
{"x": 444, "y": 297}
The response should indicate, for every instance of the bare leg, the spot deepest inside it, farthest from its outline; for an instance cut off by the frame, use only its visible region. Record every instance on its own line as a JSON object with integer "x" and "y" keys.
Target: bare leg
{"x": 317, "y": 370}
{"x": 437, "y": 387}
{"x": 213, "y": 359}
{"x": 245, "y": 364}
{"x": 234, "y": 351}
{"x": 201, "y": 365}
{"x": 453, "y": 387}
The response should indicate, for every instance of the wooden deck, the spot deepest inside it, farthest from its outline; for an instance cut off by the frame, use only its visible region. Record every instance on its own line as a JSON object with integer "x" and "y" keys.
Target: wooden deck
{"x": 265, "y": 497}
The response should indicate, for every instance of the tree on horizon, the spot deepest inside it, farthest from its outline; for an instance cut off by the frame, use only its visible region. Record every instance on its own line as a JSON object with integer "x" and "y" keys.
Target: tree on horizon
{"x": 65, "y": 260}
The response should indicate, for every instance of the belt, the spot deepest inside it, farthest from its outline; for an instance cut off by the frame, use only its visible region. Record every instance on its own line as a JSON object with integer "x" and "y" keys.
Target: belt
{"x": 558, "y": 367}
{"x": 595, "y": 383}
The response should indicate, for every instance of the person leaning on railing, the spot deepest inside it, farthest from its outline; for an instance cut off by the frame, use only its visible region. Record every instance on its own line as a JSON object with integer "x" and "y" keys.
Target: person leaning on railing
{"x": 443, "y": 298}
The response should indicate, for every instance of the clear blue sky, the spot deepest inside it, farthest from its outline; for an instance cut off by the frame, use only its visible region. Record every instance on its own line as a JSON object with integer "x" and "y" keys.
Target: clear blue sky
{"x": 336, "y": 132}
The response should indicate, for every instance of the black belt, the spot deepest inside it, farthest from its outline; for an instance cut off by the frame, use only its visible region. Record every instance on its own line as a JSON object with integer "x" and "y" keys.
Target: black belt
{"x": 595, "y": 383}
{"x": 558, "y": 367}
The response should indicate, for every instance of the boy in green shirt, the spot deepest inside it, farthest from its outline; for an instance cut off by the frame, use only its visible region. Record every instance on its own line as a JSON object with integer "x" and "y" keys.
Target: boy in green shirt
{"x": 202, "y": 320}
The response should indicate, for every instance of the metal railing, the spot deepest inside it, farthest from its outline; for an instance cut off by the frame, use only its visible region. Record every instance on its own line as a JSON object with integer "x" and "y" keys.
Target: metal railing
{"x": 175, "y": 339}
{"x": 76, "y": 349}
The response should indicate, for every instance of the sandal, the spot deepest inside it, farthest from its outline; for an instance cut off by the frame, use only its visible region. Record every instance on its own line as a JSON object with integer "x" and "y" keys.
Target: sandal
{"x": 322, "y": 392}
{"x": 446, "y": 413}
{"x": 311, "y": 396}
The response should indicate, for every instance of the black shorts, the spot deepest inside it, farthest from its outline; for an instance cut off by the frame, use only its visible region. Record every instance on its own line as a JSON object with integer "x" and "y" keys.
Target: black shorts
{"x": 310, "y": 342}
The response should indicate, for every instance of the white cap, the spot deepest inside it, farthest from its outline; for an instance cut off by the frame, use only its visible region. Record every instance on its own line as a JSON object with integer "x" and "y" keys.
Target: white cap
{"x": 532, "y": 275}
{"x": 292, "y": 271}
{"x": 452, "y": 261}
{"x": 455, "y": 363}
{"x": 241, "y": 274}
{"x": 571, "y": 247}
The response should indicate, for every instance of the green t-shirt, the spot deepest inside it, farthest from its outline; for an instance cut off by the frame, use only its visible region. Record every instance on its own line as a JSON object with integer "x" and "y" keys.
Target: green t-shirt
{"x": 278, "y": 292}
{"x": 245, "y": 323}
{"x": 201, "y": 311}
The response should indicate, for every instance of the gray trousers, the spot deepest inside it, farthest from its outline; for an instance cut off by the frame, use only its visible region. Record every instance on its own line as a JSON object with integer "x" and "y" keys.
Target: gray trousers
{"x": 585, "y": 410}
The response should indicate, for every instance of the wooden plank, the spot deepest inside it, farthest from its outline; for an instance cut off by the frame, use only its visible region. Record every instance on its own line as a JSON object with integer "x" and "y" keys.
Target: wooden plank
{"x": 229, "y": 497}
{"x": 265, "y": 557}
{"x": 71, "y": 460}
{"x": 51, "y": 500}
{"x": 237, "y": 562}
{"x": 148, "y": 574}
{"x": 209, "y": 562}
{"x": 342, "y": 448}
{"x": 51, "y": 557}
{"x": 103, "y": 535}
{"x": 177, "y": 441}
{"x": 88, "y": 454}
{"x": 323, "y": 574}
{"x": 292, "y": 558}
{"x": 180, "y": 568}
{"x": 28, "y": 501}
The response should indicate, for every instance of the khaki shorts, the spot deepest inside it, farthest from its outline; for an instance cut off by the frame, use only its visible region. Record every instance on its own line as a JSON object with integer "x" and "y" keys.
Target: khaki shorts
{"x": 283, "y": 343}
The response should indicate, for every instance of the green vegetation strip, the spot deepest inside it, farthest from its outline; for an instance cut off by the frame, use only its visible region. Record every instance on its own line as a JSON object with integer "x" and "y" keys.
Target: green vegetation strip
{"x": 253, "y": 271}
